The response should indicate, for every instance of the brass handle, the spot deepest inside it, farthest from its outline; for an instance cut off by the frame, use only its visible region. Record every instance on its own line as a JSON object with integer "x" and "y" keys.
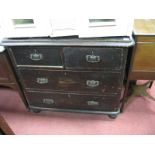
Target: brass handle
{"x": 92, "y": 103}
{"x": 42, "y": 80}
{"x": 48, "y": 101}
{"x": 92, "y": 83}
{"x": 66, "y": 81}
{"x": 93, "y": 58}
{"x": 36, "y": 56}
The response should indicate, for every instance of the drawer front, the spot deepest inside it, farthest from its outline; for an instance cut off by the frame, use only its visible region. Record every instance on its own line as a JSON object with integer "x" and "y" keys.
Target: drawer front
{"x": 93, "y": 58}
{"x": 37, "y": 56}
{"x": 72, "y": 101}
{"x": 144, "y": 59}
{"x": 92, "y": 82}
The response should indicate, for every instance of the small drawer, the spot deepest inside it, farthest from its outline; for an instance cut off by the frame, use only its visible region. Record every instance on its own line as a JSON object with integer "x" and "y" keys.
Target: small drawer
{"x": 93, "y": 58}
{"x": 92, "y": 82}
{"x": 72, "y": 101}
{"x": 37, "y": 56}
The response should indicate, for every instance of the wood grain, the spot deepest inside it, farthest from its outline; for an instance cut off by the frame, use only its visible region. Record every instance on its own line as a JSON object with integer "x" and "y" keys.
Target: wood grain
{"x": 144, "y": 58}
{"x": 145, "y": 38}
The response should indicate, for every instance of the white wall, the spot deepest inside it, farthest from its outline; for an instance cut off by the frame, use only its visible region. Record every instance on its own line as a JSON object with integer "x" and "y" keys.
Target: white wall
{"x": 78, "y": 8}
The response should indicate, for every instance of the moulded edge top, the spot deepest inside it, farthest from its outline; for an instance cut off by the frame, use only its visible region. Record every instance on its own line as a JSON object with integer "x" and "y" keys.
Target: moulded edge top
{"x": 114, "y": 42}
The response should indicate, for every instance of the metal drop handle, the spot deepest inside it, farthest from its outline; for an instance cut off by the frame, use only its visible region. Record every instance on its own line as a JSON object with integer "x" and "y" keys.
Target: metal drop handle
{"x": 36, "y": 56}
{"x": 92, "y": 83}
{"x": 93, "y": 58}
{"x": 48, "y": 101}
{"x": 92, "y": 103}
{"x": 42, "y": 80}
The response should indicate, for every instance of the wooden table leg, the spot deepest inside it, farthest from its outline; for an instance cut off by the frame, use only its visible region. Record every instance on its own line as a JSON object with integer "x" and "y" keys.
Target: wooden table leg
{"x": 141, "y": 90}
{"x": 138, "y": 90}
{"x": 5, "y": 127}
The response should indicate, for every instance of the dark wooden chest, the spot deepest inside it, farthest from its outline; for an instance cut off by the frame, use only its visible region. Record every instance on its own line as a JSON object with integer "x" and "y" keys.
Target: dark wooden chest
{"x": 71, "y": 74}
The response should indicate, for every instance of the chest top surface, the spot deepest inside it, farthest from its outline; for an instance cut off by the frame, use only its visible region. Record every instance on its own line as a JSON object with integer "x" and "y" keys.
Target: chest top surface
{"x": 113, "y": 42}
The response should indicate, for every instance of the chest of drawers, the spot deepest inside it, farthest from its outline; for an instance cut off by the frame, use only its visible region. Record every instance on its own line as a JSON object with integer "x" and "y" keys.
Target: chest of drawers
{"x": 75, "y": 75}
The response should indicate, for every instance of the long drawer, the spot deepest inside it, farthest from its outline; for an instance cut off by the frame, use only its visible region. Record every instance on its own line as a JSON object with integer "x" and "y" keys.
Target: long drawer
{"x": 72, "y": 101}
{"x": 94, "y": 58}
{"x": 37, "y": 56}
{"x": 58, "y": 80}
